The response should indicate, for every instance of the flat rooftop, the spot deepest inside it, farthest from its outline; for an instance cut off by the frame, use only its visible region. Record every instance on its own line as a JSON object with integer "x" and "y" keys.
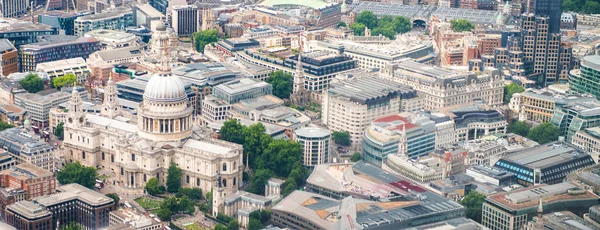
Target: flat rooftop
{"x": 566, "y": 220}
{"x": 109, "y": 34}
{"x": 26, "y": 171}
{"x": 117, "y": 12}
{"x": 240, "y": 85}
{"x": 313, "y": 132}
{"x": 29, "y": 210}
{"x": 368, "y": 88}
{"x": 529, "y": 197}
{"x": 72, "y": 192}
{"x": 546, "y": 155}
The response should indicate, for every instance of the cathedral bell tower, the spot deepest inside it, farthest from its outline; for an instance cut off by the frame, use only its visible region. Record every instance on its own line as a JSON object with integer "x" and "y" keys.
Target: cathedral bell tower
{"x": 76, "y": 117}
{"x": 299, "y": 94}
{"x": 110, "y": 105}
{"x": 218, "y": 197}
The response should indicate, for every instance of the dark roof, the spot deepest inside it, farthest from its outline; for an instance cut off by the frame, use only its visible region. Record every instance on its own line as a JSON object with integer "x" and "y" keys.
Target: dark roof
{"x": 6, "y": 45}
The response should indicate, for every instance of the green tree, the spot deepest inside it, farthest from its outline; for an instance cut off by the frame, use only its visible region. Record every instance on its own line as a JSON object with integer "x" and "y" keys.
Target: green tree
{"x": 289, "y": 187}
{"x": 511, "y": 89}
{"x": 256, "y": 141}
{"x": 67, "y": 79}
{"x": 356, "y": 157}
{"x": 342, "y": 138}
{"x": 220, "y": 227}
{"x": 59, "y": 131}
{"x": 520, "y": 128}
{"x": 153, "y": 187}
{"x": 280, "y": 156}
{"x": 4, "y": 125}
{"x": 544, "y": 133}
{"x": 473, "y": 202}
{"x": 255, "y": 224}
{"x": 387, "y": 31}
{"x": 203, "y": 38}
{"x": 265, "y": 216}
{"x": 367, "y": 18}
{"x": 192, "y": 193}
{"x": 591, "y": 7}
{"x": 115, "y": 197}
{"x": 358, "y": 28}
{"x": 233, "y": 225}
{"x": 77, "y": 173}
{"x": 32, "y": 83}
{"x": 341, "y": 24}
{"x": 167, "y": 207}
{"x": 173, "y": 178}
{"x": 258, "y": 181}
{"x": 209, "y": 200}
{"x": 231, "y": 130}
{"x": 282, "y": 83}
{"x": 460, "y": 25}
{"x": 71, "y": 226}
{"x": 184, "y": 204}
{"x": 401, "y": 24}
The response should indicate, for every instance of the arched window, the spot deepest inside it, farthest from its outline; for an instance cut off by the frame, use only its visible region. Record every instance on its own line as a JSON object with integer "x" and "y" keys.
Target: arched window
{"x": 187, "y": 179}
{"x": 234, "y": 165}
{"x": 224, "y": 183}
{"x": 234, "y": 179}
{"x": 224, "y": 167}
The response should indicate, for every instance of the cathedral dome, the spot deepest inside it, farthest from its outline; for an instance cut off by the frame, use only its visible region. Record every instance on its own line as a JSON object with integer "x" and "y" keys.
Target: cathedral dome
{"x": 165, "y": 88}
{"x": 161, "y": 27}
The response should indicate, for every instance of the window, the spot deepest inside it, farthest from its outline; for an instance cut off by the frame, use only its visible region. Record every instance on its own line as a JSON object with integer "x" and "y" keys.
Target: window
{"x": 102, "y": 155}
{"x": 132, "y": 157}
{"x": 112, "y": 158}
{"x": 224, "y": 183}
{"x": 83, "y": 154}
{"x": 234, "y": 181}
{"x": 224, "y": 167}
{"x": 121, "y": 171}
{"x": 197, "y": 181}
{"x": 187, "y": 179}
{"x": 144, "y": 177}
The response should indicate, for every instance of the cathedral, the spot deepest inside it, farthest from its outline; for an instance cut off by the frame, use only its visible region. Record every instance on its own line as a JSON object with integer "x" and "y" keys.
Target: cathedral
{"x": 164, "y": 132}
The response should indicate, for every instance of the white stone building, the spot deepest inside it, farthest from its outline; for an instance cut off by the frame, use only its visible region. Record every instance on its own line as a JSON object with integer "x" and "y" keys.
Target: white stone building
{"x": 315, "y": 142}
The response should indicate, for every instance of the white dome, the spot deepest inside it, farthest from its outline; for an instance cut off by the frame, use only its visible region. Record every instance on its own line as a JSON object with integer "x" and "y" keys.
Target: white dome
{"x": 165, "y": 88}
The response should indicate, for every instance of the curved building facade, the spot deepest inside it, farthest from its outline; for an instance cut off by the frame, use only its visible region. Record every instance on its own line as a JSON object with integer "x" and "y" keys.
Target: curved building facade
{"x": 315, "y": 143}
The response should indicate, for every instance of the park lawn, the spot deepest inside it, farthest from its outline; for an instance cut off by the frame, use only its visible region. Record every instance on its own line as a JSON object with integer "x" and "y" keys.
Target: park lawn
{"x": 148, "y": 203}
{"x": 194, "y": 226}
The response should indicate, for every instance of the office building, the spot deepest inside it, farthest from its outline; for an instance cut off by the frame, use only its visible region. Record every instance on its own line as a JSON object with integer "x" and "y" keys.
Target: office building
{"x": 539, "y": 105}
{"x": 487, "y": 174}
{"x": 563, "y": 220}
{"x": 544, "y": 164}
{"x": 113, "y": 38}
{"x": 14, "y": 8}
{"x": 576, "y": 116}
{"x": 234, "y": 30}
{"x": 232, "y": 45}
{"x": 489, "y": 149}
{"x": 72, "y": 204}
{"x": 6, "y": 161}
{"x": 130, "y": 219}
{"x": 160, "y": 5}
{"x": 420, "y": 170}
{"x": 405, "y": 134}
{"x": 185, "y": 20}
{"x": 28, "y": 215}
{"x": 547, "y": 8}
{"x": 21, "y": 32}
{"x": 146, "y": 15}
{"x": 315, "y": 143}
{"x": 64, "y": 21}
{"x": 26, "y": 147}
{"x": 587, "y": 78}
{"x": 440, "y": 87}
{"x": 372, "y": 201}
{"x": 38, "y": 105}
{"x": 116, "y": 19}
{"x": 267, "y": 109}
{"x": 474, "y": 122}
{"x": 54, "y": 48}
{"x": 349, "y": 105}
{"x": 34, "y": 180}
{"x": 589, "y": 140}
{"x": 216, "y": 106}
{"x": 76, "y": 66}
{"x": 9, "y": 58}
{"x": 512, "y": 210}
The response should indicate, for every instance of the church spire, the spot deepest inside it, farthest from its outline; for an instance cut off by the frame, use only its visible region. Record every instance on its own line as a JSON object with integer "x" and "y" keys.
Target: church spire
{"x": 110, "y": 105}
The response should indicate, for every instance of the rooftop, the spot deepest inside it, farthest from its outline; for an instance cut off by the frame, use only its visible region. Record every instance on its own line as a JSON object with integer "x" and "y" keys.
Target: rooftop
{"x": 529, "y": 197}
{"x": 120, "y": 53}
{"x": 71, "y": 192}
{"x": 565, "y": 220}
{"x": 61, "y": 64}
{"x": 592, "y": 61}
{"x": 240, "y": 85}
{"x": 207, "y": 147}
{"x": 312, "y": 132}
{"x": 546, "y": 155}
{"x": 15, "y": 25}
{"x": 26, "y": 171}
{"x": 366, "y": 89}
{"x": 108, "y": 34}
{"x": 6, "y": 45}
{"x": 149, "y": 10}
{"x": 47, "y": 41}
{"x": 19, "y": 142}
{"x": 315, "y": 4}
{"x": 29, "y": 210}
{"x": 117, "y": 12}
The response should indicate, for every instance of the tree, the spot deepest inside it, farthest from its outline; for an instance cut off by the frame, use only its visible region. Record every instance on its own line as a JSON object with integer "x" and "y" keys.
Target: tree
{"x": 356, "y": 157}
{"x": 32, "y": 83}
{"x": 255, "y": 224}
{"x": 167, "y": 207}
{"x": 209, "y": 200}
{"x": 341, "y": 24}
{"x": 220, "y": 227}
{"x": 59, "y": 131}
{"x": 581, "y": 6}
{"x": 367, "y": 18}
{"x": 185, "y": 205}
{"x": 282, "y": 83}
{"x": 71, "y": 226}
{"x": 342, "y": 138}
{"x": 258, "y": 181}
{"x": 473, "y": 202}
{"x": 511, "y": 89}
{"x": 115, "y": 197}
{"x": 173, "y": 178}
{"x": 460, "y": 25}
{"x": 4, "y": 125}
{"x": 265, "y": 216}
{"x": 289, "y": 187}
{"x": 401, "y": 24}
{"x": 77, "y": 173}
{"x": 68, "y": 79}
{"x": 233, "y": 225}
{"x": 358, "y": 28}
{"x": 192, "y": 193}
{"x": 544, "y": 133}
{"x": 153, "y": 187}
{"x": 203, "y": 38}
{"x": 256, "y": 141}
{"x": 231, "y": 130}
{"x": 280, "y": 156}
{"x": 520, "y": 128}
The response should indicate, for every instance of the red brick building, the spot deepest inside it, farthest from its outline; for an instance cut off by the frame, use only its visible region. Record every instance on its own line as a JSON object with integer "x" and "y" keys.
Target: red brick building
{"x": 34, "y": 180}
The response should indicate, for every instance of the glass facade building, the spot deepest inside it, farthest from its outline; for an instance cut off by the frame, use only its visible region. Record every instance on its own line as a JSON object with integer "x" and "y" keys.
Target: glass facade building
{"x": 587, "y": 78}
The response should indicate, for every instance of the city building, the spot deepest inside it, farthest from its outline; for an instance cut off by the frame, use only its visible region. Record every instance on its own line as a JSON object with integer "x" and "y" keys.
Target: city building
{"x": 544, "y": 164}
{"x": 513, "y": 209}
{"x": 216, "y": 106}
{"x": 487, "y": 174}
{"x": 539, "y": 105}
{"x": 26, "y": 147}
{"x": 130, "y": 219}
{"x": 420, "y": 170}
{"x": 474, "y": 122}
{"x": 589, "y": 140}
{"x": 113, "y": 38}
{"x": 230, "y": 46}
{"x": 315, "y": 143}
{"x": 62, "y": 20}
{"x": 404, "y": 134}
{"x": 186, "y": 19}
{"x": 440, "y": 87}
{"x": 72, "y": 204}
{"x": 116, "y": 19}
{"x": 133, "y": 90}
{"x": 159, "y": 5}
{"x": 372, "y": 200}
{"x": 350, "y": 105}
{"x": 60, "y": 68}
{"x": 9, "y": 58}
{"x": 593, "y": 217}
{"x": 146, "y": 15}
{"x": 587, "y": 78}
{"x": 38, "y": 105}
{"x": 563, "y": 220}
{"x": 28, "y": 215}
{"x": 56, "y": 47}
{"x": 21, "y": 32}
{"x": 547, "y": 8}
{"x": 234, "y": 30}
{"x": 14, "y": 8}
{"x": 267, "y": 109}
{"x": 34, "y": 180}
{"x": 6, "y": 161}
{"x": 576, "y": 116}
{"x": 489, "y": 149}
{"x": 164, "y": 134}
